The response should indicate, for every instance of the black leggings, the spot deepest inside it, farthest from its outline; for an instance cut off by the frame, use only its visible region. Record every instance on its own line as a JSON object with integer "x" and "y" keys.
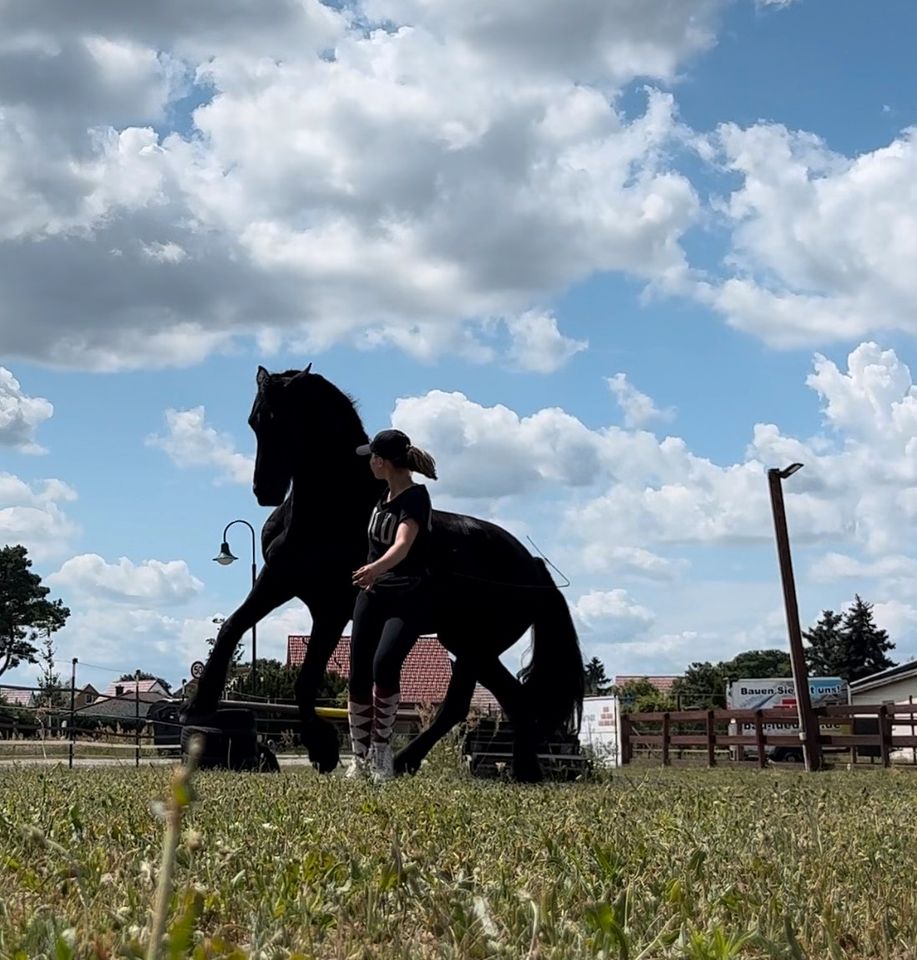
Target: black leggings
{"x": 384, "y": 630}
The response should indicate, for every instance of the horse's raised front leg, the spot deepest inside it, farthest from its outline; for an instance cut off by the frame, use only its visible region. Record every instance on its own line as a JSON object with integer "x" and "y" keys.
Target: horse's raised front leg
{"x": 452, "y": 710}
{"x": 511, "y": 694}
{"x": 319, "y": 736}
{"x": 269, "y": 592}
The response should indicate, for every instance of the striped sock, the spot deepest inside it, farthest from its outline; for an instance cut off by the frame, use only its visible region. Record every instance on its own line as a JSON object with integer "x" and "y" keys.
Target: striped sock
{"x": 360, "y": 716}
{"x": 385, "y": 706}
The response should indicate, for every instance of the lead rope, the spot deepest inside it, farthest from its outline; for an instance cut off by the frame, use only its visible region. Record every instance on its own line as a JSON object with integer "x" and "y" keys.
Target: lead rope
{"x": 520, "y": 586}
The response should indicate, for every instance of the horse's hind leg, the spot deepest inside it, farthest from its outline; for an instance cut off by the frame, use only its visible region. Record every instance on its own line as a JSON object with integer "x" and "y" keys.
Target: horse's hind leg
{"x": 509, "y": 691}
{"x": 268, "y": 593}
{"x": 452, "y": 710}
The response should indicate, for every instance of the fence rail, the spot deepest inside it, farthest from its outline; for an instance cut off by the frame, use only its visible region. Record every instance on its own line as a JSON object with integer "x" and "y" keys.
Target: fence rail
{"x": 59, "y": 727}
{"x": 880, "y": 740}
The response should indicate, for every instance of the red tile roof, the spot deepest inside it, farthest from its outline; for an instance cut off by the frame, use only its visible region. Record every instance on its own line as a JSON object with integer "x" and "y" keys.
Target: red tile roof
{"x": 662, "y": 684}
{"x": 127, "y": 688}
{"x": 424, "y": 677}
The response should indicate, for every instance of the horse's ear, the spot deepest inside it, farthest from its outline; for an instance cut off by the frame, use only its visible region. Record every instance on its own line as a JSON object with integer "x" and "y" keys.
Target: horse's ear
{"x": 262, "y": 377}
{"x": 299, "y": 376}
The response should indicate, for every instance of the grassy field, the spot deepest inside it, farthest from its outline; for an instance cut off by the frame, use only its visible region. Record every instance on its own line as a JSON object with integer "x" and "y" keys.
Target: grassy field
{"x": 649, "y": 864}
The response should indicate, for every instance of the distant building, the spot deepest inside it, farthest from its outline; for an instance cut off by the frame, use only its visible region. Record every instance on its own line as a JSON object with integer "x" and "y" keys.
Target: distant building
{"x": 424, "y": 678}
{"x": 663, "y": 684}
{"x": 125, "y": 688}
{"x": 126, "y": 706}
{"x": 16, "y": 696}
{"x": 894, "y": 685}
{"x": 26, "y": 696}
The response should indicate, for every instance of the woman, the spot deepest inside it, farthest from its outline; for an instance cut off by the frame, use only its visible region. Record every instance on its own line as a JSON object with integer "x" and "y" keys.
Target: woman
{"x": 393, "y": 601}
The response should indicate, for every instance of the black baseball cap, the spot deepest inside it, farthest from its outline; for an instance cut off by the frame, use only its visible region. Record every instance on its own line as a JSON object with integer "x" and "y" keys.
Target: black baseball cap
{"x": 388, "y": 444}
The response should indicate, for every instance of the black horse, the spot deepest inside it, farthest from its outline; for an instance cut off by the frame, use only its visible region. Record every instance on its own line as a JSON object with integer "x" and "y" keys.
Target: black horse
{"x": 488, "y": 589}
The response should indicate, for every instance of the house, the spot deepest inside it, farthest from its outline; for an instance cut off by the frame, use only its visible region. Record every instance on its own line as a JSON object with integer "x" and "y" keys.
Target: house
{"x": 125, "y": 688}
{"x": 663, "y": 684}
{"x": 123, "y": 708}
{"x": 26, "y": 696}
{"x": 894, "y": 685}
{"x": 17, "y": 696}
{"x": 83, "y": 696}
{"x": 424, "y": 677}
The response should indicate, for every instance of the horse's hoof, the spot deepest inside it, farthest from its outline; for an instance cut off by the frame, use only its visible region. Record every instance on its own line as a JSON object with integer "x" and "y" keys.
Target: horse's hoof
{"x": 527, "y": 771}
{"x": 406, "y": 763}
{"x": 321, "y": 741}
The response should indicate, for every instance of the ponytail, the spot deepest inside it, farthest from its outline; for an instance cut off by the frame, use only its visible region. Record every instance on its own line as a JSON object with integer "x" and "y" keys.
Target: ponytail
{"x": 419, "y": 461}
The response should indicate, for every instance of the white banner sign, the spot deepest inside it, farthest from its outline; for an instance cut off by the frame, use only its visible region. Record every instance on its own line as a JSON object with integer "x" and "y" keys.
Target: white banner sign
{"x": 599, "y": 730}
{"x": 771, "y": 693}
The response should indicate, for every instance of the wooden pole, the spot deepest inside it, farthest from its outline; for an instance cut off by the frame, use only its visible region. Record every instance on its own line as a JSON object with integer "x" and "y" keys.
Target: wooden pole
{"x": 884, "y": 736}
{"x": 808, "y": 723}
{"x": 137, "y": 720}
{"x": 759, "y": 740}
{"x": 72, "y": 721}
{"x": 626, "y": 749}
{"x": 711, "y": 740}
{"x": 666, "y": 736}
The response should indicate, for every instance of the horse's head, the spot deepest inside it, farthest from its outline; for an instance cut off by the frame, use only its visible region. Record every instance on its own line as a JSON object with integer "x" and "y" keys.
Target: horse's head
{"x": 272, "y": 419}
{"x": 294, "y": 414}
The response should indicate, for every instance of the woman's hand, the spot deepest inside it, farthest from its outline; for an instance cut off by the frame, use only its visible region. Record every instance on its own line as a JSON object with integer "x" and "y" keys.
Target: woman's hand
{"x": 366, "y": 576}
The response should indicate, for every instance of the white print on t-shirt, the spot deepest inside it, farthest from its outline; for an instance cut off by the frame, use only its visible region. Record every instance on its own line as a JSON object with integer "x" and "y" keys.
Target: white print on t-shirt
{"x": 382, "y": 526}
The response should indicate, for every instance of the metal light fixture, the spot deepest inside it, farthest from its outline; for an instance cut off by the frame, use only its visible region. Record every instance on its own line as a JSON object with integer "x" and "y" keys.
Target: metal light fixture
{"x": 225, "y": 556}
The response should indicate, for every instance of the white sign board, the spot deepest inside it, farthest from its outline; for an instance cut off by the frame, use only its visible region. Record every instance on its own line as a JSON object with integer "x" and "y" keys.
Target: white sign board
{"x": 781, "y": 693}
{"x": 599, "y": 730}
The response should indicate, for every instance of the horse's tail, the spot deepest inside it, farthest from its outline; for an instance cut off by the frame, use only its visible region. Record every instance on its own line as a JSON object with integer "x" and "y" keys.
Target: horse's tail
{"x": 554, "y": 678}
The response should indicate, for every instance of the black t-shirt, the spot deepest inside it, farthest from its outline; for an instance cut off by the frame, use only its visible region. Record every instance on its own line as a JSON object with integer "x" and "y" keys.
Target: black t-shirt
{"x": 411, "y": 504}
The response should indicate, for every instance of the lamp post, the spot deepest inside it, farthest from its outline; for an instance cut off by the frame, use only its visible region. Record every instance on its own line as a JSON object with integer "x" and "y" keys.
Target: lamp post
{"x": 808, "y": 723}
{"x": 224, "y": 558}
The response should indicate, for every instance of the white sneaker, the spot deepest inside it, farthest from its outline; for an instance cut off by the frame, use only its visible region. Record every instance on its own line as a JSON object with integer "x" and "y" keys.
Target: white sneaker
{"x": 383, "y": 762}
{"x": 358, "y": 768}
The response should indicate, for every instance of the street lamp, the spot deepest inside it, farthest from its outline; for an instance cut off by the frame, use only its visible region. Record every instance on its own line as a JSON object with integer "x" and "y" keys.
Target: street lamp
{"x": 226, "y": 557}
{"x": 808, "y": 722}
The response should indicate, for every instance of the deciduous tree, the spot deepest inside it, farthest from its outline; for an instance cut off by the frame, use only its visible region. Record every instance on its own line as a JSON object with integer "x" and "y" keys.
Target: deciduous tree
{"x": 26, "y": 613}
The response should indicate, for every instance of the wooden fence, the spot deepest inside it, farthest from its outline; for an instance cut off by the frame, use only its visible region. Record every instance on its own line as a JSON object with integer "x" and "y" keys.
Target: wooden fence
{"x": 707, "y": 731}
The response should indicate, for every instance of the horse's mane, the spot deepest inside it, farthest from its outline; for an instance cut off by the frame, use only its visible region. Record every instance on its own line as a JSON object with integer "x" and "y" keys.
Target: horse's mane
{"x": 338, "y": 402}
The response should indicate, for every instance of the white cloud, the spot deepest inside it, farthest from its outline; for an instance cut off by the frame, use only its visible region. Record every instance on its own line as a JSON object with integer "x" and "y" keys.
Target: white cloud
{"x": 490, "y": 452}
{"x": 602, "y": 556}
{"x": 273, "y": 630}
{"x": 638, "y": 408}
{"x": 20, "y": 415}
{"x": 612, "y": 616}
{"x": 538, "y": 345}
{"x": 838, "y": 566}
{"x": 625, "y": 502}
{"x": 822, "y": 244}
{"x": 190, "y": 442}
{"x": 600, "y": 40}
{"x": 636, "y": 490}
{"x": 32, "y": 515}
{"x": 120, "y": 638}
{"x": 451, "y": 168}
{"x": 152, "y": 582}
{"x": 874, "y": 402}
{"x": 900, "y": 620}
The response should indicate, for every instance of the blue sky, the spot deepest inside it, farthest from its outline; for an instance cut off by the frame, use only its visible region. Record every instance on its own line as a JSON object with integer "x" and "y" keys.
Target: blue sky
{"x": 628, "y": 266}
